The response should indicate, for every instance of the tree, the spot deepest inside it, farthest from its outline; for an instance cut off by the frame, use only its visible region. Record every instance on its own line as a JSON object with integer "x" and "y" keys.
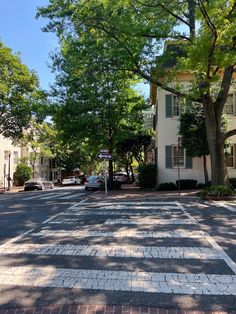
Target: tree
{"x": 194, "y": 135}
{"x": 20, "y": 96}
{"x": 134, "y": 147}
{"x": 129, "y": 35}
{"x": 23, "y": 173}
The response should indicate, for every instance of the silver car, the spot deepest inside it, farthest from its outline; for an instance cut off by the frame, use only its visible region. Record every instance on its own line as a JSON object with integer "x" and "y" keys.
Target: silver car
{"x": 94, "y": 182}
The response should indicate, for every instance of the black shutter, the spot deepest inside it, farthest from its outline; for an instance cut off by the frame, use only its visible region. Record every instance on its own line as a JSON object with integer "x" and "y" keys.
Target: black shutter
{"x": 169, "y": 106}
{"x": 168, "y": 156}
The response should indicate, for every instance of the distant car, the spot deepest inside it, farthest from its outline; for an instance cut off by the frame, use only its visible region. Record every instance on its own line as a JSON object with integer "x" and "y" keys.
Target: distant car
{"x": 71, "y": 180}
{"x": 38, "y": 184}
{"x": 120, "y": 177}
{"x": 94, "y": 182}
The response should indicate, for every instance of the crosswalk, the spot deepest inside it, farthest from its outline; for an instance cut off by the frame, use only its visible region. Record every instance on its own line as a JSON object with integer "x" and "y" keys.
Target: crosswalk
{"x": 45, "y": 196}
{"x": 162, "y": 236}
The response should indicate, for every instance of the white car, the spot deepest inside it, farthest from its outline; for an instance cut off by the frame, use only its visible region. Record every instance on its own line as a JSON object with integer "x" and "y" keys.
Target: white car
{"x": 94, "y": 182}
{"x": 38, "y": 184}
{"x": 120, "y": 177}
{"x": 71, "y": 180}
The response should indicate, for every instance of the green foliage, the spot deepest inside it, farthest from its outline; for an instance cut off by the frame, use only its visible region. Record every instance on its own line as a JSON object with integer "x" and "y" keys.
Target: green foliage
{"x": 23, "y": 173}
{"x": 217, "y": 191}
{"x": 127, "y": 36}
{"x": 186, "y": 184}
{"x": 193, "y": 131}
{"x": 147, "y": 176}
{"x": 167, "y": 186}
{"x": 20, "y": 96}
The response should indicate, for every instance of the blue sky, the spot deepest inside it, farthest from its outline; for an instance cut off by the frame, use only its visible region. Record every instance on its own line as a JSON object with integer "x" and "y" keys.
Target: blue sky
{"x": 20, "y": 31}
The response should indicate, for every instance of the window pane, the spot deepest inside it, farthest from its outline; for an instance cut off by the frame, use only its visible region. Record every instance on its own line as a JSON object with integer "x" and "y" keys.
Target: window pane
{"x": 175, "y": 106}
{"x": 178, "y": 156}
{"x": 230, "y": 158}
{"x": 229, "y": 106}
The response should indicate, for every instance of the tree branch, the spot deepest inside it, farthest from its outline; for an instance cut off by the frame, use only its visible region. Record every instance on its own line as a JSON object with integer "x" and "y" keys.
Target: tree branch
{"x": 229, "y": 134}
{"x": 164, "y": 8}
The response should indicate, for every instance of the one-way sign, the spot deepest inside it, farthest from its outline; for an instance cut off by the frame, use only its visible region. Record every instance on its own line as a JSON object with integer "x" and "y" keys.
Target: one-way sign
{"x": 103, "y": 156}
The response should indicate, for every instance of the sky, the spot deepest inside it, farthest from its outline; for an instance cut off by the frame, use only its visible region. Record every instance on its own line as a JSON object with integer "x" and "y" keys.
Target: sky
{"x": 21, "y": 31}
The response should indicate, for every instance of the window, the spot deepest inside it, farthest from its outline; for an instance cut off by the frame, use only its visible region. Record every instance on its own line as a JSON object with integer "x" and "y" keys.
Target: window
{"x": 15, "y": 157}
{"x": 229, "y": 105}
{"x": 175, "y": 106}
{"x": 6, "y": 155}
{"x": 172, "y": 106}
{"x": 178, "y": 156}
{"x": 229, "y": 158}
{"x": 41, "y": 160}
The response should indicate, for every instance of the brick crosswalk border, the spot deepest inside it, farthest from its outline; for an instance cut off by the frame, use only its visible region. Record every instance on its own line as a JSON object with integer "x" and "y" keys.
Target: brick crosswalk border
{"x": 102, "y": 309}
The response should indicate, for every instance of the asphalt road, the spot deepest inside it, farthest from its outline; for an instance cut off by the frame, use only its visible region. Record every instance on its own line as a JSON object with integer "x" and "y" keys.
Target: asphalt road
{"x": 60, "y": 247}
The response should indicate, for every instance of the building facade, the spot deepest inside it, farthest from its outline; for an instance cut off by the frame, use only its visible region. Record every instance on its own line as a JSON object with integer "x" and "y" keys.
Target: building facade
{"x": 171, "y": 158}
{"x": 10, "y": 155}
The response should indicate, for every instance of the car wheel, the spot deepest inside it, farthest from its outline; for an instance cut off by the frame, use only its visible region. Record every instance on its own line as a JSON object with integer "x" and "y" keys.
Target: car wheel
{"x": 86, "y": 188}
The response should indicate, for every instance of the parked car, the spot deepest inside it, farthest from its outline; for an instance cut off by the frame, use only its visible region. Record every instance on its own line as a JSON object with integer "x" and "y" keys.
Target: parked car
{"x": 71, "y": 180}
{"x": 38, "y": 184}
{"x": 94, "y": 182}
{"x": 120, "y": 177}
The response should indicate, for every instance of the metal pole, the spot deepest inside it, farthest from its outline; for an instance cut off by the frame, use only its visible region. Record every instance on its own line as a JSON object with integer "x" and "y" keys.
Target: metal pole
{"x": 178, "y": 177}
{"x": 9, "y": 172}
{"x": 105, "y": 175}
{"x": 4, "y": 180}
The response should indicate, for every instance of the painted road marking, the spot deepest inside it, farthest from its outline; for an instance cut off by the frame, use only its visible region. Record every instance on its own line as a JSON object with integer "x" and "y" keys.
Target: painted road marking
{"x": 113, "y": 251}
{"x": 150, "y": 221}
{"x": 198, "y": 284}
{"x": 121, "y": 234}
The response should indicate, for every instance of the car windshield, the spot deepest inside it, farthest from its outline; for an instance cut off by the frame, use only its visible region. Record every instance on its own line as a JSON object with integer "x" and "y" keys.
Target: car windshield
{"x": 69, "y": 178}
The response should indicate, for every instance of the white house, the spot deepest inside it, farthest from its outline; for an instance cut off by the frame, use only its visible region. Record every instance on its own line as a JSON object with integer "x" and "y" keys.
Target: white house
{"x": 9, "y": 158}
{"x": 167, "y": 114}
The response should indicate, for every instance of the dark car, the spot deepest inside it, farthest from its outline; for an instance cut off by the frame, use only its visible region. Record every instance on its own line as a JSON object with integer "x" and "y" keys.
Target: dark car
{"x": 38, "y": 184}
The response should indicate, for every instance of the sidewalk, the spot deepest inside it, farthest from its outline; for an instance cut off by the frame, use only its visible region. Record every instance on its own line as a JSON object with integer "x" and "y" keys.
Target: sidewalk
{"x": 133, "y": 192}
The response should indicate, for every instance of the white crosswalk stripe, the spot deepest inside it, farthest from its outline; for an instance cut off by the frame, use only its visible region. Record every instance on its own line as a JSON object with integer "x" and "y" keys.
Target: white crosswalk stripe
{"x": 121, "y": 234}
{"x": 113, "y": 250}
{"x": 198, "y": 284}
{"x": 133, "y": 215}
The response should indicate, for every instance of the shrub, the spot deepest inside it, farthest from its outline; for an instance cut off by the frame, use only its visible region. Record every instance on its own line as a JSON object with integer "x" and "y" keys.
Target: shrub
{"x": 232, "y": 182}
{"x": 147, "y": 176}
{"x": 217, "y": 191}
{"x": 23, "y": 173}
{"x": 186, "y": 184}
{"x": 201, "y": 185}
{"x": 167, "y": 186}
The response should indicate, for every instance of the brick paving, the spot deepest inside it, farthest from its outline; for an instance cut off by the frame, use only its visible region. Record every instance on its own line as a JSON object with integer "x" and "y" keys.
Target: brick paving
{"x": 101, "y": 309}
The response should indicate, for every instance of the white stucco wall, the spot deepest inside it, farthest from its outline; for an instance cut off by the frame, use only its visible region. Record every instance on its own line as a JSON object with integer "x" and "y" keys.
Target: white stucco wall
{"x": 6, "y": 145}
{"x": 167, "y": 134}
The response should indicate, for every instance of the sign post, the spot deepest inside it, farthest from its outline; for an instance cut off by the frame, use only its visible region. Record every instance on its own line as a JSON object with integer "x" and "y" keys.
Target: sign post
{"x": 104, "y": 154}
{"x": 105, "y": 175}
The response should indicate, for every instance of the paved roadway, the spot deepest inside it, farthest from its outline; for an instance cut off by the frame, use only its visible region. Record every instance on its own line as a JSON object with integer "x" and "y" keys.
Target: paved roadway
{"x": 60, "y": 247}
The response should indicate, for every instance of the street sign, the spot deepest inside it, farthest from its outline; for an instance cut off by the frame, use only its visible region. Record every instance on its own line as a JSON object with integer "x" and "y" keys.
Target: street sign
{"x": 104, "y": 151}
{"x": 103, "y": 156}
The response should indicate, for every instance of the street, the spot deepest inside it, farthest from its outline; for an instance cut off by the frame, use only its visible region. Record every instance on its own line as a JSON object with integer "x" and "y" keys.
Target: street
{"x": 63, "y": 247}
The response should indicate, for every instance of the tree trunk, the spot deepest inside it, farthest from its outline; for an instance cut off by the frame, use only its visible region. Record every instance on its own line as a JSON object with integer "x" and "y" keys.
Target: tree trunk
{"x": 204, "y": 159}
{"x": 216, "y": 146}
